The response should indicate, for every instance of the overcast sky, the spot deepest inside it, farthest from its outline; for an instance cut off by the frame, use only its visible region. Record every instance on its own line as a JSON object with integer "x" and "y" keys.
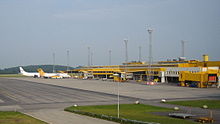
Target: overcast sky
{"x": 32, "y": 30}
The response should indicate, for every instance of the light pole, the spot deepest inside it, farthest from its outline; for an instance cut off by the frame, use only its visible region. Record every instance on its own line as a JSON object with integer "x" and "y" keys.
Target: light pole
{"x": 53, "y": 62}
{"x": 183, "y": 48}
{"x": 126, "y": 50}
{"x": 150, "y": 53}
{"x": 110, "y": 57}
{"x": 91, "y": 58}
{"x": 68, "y": 59}
{"x": 88, "y": 56}
{"x": 126, "y": 57}
{"x": 118, "y": 101}
{"x": 139, "y": 58}
{"x": 118, "y": 96}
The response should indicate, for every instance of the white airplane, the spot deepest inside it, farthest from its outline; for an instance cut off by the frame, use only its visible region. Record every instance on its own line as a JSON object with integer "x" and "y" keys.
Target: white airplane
{"x": 52, "y": 75}
{"x": 30, "y": 74}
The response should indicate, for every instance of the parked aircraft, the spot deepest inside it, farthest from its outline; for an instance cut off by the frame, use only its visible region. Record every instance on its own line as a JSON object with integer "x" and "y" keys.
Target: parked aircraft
{"x": 52, "y": 75}
{"x": 30, "y": 74}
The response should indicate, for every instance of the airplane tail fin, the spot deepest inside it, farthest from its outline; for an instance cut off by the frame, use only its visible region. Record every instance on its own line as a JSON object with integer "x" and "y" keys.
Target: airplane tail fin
{"x": 21, "y": 70}
{"x": 41, "y": 72}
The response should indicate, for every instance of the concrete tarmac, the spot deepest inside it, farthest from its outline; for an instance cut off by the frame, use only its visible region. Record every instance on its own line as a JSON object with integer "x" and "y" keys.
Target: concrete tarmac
{"x": 136, "y": 90}
{"x": 46, "y": 98}
{"x": 46, "y": 102}
{"x": 30, "y": 95}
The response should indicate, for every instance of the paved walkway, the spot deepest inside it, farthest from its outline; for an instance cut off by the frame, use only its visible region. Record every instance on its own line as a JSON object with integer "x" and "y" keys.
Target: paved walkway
{"x": 58, "y": 116}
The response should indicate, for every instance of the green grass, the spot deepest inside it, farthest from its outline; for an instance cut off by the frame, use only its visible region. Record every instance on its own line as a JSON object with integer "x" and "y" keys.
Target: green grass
{"x": 212, "y": 104}
{"x": 11, "y": 75}
{"x": 17, "y": 118}
{"x": 138, "y": 112}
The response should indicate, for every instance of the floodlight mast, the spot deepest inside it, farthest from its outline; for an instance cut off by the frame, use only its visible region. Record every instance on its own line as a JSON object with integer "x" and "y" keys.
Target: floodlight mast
{"x": 126, "y": 50}
{"x": 88, "y": 56}
{"x": 183, "y": 48}
{"x": 126, "y": 58}
{"x": 53, "y": 62}
{"x": 68, "y": 59}
{"x": 139, "y": 57}
{"x": 91, "y": 58}
{"x": 110, "y": 57}
{"x": 150, "y": 62}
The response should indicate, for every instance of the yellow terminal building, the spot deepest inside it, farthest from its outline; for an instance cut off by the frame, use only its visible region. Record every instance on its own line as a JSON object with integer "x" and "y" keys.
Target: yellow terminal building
{"x": 192, "y": 73}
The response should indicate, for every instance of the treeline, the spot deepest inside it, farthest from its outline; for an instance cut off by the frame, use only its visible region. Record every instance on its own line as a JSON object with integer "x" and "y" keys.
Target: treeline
{"x": 33, "y": 68}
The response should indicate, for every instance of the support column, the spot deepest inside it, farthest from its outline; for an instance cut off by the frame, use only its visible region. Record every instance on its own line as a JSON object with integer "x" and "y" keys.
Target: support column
{"x": 218, "y": 83}
{"x": 162, "y": 77}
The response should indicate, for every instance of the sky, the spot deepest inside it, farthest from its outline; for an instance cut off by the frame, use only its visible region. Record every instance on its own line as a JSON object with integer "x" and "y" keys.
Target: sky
{"x": 32, "y": 30}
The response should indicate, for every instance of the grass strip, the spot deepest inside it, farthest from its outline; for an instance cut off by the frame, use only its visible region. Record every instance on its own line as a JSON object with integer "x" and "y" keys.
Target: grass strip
{"x": 212, "y": 104}
{"x": 137, "y": 112}
{"x": 18, "y": 118}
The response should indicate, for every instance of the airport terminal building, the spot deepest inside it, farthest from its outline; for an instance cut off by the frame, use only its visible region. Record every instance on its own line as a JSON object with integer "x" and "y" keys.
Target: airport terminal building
{"x": 194, "y": 73}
